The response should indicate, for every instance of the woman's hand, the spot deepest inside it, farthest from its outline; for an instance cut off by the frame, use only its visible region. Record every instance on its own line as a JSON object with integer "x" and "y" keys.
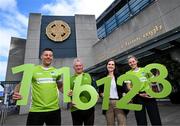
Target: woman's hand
{"x": 101, "y": 95}
{"x": 144, "y": 95}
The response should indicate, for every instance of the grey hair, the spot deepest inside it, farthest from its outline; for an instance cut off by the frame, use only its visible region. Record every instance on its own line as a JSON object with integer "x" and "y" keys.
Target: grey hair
{"x": 132, "y": 56}
{"x": 77, "y": 60}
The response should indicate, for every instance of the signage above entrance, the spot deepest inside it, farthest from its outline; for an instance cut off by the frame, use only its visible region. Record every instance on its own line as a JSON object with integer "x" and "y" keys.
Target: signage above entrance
{"x": 58, "y": 31}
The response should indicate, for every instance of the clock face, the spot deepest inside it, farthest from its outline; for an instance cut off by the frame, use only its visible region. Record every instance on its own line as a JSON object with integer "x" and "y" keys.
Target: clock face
{"x": 58, "y": 31}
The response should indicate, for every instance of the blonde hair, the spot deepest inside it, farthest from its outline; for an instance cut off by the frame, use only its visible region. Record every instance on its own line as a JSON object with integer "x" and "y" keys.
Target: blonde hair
{"x": 132, "y": 56}
{"x": 77, "y": 60}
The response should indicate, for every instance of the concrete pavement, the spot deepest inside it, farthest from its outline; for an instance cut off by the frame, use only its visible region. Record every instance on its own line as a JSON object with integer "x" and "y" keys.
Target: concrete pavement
{"x": 170, "y": 116}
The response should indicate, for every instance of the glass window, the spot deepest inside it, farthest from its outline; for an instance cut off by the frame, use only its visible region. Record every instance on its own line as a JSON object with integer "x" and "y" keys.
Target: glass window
{"x": 121, "y": 16}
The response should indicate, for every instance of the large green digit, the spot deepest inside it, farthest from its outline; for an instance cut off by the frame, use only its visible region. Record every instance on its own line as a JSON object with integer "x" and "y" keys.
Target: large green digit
{"x": 78, "y": 89}
{"x": 159, "y": 79}
{"x": 107, "y": 84}
{"x": 65, "y": 71}
{"x": 123, "y": 103}
{"x": 27, "y": 70}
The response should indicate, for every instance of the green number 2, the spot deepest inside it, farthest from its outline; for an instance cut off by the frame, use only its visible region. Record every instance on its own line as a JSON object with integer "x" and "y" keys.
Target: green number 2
{"x": 123, "y": 103}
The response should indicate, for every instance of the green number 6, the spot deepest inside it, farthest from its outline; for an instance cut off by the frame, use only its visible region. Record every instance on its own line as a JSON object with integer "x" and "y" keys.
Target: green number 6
{"x": 78, "y": 89}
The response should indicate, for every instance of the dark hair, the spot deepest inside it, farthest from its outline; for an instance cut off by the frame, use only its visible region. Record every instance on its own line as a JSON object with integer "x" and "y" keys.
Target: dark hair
{"x": 115, "y": 70}
{"x": 46, "y": 49}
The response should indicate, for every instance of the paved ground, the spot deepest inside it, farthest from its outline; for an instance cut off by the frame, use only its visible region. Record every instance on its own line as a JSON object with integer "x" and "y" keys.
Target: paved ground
{"x": 170, "y": 115}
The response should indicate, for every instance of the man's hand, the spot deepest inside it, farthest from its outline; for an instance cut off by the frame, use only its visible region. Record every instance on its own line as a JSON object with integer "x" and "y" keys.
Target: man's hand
{"x": 16, "y": 96}
{"x": 71, "y": 104}
{"x": 70, "y": 93}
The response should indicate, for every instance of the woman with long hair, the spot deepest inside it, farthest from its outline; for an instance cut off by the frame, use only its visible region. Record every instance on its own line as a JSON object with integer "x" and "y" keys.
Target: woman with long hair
{"x": 115, "y": 94}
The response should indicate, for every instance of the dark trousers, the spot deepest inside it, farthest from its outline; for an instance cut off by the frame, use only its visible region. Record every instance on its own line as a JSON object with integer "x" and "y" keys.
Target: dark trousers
{"x": 80, "y": 117}
{"x": 49, "y": 118}
{"x": 150, "y": 105}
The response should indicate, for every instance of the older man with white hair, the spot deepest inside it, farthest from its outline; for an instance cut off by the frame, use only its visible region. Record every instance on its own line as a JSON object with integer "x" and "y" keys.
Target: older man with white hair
{"x": 80, "y": 117}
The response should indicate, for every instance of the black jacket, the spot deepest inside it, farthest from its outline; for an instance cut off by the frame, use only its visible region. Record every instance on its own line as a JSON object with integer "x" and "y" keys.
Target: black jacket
{"x": 120, "y": 91}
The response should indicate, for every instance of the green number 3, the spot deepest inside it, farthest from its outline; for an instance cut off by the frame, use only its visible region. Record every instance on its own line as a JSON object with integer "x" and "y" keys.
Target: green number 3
{"x": 159, "y": 79}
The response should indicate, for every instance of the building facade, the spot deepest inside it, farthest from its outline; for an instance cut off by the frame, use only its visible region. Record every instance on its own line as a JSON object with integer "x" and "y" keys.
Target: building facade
{"x": 68, "y": 36}
{"x": 148, "y": 29}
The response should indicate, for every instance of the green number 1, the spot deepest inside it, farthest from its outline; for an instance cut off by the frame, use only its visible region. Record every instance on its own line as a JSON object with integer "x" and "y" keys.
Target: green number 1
{"x": 107, "y": 84}
{"x": 27, "y": 70}
{"x": 65, "y": 71}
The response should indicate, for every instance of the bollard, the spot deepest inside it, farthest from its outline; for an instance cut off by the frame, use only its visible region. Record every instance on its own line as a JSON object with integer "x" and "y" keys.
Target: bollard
{"x": 3, "y": 114}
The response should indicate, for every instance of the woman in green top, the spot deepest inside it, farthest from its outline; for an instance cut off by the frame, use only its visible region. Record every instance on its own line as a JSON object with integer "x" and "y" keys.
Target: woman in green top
{"x": 148, "y": 103}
